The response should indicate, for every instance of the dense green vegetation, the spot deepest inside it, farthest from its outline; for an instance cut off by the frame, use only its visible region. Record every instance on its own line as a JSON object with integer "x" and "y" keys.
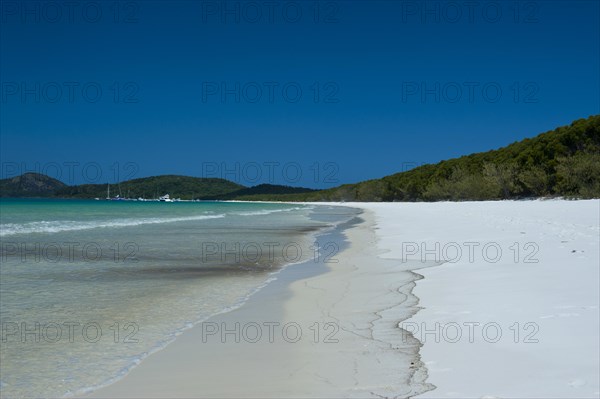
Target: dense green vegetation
{"x": 30, "y": 185}
{"x": 562, "y": 162}
{"x": 183, "y": 187}
{"x": 261, "y": 190}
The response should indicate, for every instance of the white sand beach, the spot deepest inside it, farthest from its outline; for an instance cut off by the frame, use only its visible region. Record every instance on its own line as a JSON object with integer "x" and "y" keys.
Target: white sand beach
{"x": 556, "y": 290}
{"x": 336, "y": 334}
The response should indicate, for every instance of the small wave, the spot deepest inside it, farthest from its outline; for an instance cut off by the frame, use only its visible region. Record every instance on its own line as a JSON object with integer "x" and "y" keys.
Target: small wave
{"x": 55, "y": 226}
{"x": 266, "y": 211}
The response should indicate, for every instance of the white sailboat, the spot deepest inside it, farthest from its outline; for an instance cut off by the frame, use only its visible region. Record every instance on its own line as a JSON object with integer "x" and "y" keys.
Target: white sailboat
{"x": 117, "y": 198}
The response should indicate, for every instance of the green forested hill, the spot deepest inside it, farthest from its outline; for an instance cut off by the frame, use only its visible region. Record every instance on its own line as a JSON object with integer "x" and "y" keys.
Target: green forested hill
{"x": 561, "y": 162}
{"x": 266, "y": 190}
{"x": 183, "y": 187}
{"x": 30, "y": 185}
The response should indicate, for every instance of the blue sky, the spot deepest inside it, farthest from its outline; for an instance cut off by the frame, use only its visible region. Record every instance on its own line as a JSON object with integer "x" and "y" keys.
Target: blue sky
{"x": 298, "y": 92}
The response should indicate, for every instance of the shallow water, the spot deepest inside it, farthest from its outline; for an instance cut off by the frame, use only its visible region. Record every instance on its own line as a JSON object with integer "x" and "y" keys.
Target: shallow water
{"x": 89, "y": 288}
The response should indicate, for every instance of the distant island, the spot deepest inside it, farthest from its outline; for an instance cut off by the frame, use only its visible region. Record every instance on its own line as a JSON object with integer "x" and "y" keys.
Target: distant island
{"x": 31, "y": 185}
{"x": 563, "y": 162}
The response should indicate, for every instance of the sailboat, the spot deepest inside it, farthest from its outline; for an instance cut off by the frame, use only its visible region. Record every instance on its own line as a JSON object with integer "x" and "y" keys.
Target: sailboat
{"x": 117, "y": 198}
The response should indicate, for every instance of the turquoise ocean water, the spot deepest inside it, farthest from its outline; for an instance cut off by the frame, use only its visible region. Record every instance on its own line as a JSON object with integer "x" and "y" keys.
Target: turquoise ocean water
{"x": 89, "y": 288}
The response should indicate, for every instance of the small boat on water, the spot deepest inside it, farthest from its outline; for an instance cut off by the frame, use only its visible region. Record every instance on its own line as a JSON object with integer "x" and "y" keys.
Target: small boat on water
{"x": 108, "y": 197}
{"x": 165, "y": 198}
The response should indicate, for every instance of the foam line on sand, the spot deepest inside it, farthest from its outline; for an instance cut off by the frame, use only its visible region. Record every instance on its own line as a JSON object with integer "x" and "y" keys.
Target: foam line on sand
{"x": 350, "y": 344}
{"x": 372, "y": 310}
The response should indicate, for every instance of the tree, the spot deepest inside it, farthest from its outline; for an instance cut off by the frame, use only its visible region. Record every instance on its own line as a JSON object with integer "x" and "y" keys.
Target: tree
{"x": 503, "y": 176}
{"x": 579, "y": 175}
{"x": 536, "y": 180}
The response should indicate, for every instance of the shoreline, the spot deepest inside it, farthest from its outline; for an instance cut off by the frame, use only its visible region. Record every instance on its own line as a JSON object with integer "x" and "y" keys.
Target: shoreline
{"x": 311, "y": 298}
{"x": 304, "y": 242}
{"x": 383, "y": 301}
{"x": 167, "y": 289}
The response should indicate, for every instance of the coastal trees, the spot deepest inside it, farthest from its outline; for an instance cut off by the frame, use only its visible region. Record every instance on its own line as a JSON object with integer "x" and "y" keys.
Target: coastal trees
{"x": 561, "y": 162}
{"x": 536, "y": 180}
{"x": 503, "y": 177}
{"x": 579, "y": 175}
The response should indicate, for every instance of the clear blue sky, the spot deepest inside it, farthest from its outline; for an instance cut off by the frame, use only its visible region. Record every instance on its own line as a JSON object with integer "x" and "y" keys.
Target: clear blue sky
{"x": 211, "y": 88}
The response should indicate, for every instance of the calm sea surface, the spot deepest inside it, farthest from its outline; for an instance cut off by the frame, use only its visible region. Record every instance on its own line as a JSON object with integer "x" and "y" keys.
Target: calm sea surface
{"x": 89, "y": 288}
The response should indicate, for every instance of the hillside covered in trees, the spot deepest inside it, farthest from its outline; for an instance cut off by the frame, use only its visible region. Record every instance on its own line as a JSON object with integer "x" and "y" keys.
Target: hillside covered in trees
{"x": 562, "y": 162}
{"x": 184, "y": 187}
{"x": 30, "y": 185}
